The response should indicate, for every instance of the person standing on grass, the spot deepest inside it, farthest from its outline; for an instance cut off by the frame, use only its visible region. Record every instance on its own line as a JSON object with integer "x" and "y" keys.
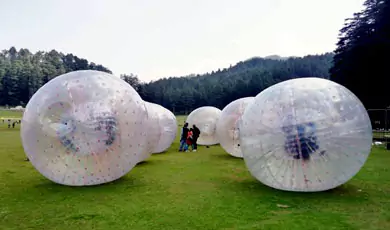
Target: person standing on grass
{"x": 195, "y": 136}
{"x": 183, "y": 138}
{"x": 189, "y": 139}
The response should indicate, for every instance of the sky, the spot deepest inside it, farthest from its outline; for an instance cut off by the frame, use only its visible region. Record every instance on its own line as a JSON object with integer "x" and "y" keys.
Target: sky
{"x": 163, "y": 38}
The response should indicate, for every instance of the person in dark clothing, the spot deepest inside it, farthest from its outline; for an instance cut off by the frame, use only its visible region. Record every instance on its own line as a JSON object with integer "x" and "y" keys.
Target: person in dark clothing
{"x": 13, "y": 124}
{"x": 195, "y": 136}
{"x": 183, "y": 138}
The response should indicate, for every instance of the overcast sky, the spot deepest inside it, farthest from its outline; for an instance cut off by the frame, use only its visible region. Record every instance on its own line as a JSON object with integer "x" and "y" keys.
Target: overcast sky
{"x": 161, "y": 38}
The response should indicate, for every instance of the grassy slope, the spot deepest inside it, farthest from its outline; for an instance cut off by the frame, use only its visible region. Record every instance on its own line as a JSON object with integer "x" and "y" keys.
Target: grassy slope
{"x": 202, "y": 190}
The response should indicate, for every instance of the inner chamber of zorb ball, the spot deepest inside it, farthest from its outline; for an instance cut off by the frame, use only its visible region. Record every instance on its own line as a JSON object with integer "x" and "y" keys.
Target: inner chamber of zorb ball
{"x": 227, "y": 126}
{"x": 77, "y": 128}
{"x": 84, "y": 128}
{"x": 307, "y": 134}
{"x": 205, "y": 118}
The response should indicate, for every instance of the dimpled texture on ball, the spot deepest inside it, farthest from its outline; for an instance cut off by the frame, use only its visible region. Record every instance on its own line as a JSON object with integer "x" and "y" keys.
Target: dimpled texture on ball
{"x": 227, "y": 127}
{"x": 307, "y": 134}
{"x": 205, "y": 118}
{"x": 153, "y": 128}
{"x": 84, "y": 128}
{"x": 168, "y": 128}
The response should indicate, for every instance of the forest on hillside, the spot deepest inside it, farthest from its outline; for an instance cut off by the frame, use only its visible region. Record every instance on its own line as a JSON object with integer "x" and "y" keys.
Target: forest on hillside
{"x": 359, "y": 63}
{"x": 219, "y": 88}
{"x": 22, "y": 73}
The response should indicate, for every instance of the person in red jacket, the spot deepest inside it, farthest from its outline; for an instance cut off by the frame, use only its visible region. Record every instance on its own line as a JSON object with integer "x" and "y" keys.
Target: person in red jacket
{"x": 190, "y": 139}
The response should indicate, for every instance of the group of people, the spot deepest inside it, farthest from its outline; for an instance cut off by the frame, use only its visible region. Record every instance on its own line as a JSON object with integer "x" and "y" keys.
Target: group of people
{"x": 189, "y": 138}
{"x": 13, "y": 122}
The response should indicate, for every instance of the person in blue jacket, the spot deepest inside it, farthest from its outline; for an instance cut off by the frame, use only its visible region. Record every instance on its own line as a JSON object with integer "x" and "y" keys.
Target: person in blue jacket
{"x": 183, "y": 138}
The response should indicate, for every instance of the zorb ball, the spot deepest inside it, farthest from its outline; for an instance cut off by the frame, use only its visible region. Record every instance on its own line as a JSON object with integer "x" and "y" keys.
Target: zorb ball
{"x": 84, "y": 128}
{"x": 168, "y": 129}
{"x": 205, "y": 118}
{"x": 153, "y": 130}
{"x": 306, "y": 134}
{"x": 227, "y": 127}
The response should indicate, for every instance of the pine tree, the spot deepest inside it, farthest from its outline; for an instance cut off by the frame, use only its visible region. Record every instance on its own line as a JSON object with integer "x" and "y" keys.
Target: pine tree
{"x": 360, "y": 61}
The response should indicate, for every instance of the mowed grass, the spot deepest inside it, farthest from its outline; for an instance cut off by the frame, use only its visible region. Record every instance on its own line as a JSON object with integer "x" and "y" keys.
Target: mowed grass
{"x": 381, "y": 134}
{"x": 10, "y": 114}
{"x": 203, "y": 190}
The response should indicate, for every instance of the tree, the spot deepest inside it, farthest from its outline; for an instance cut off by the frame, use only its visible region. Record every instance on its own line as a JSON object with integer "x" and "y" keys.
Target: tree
{"x": 218, "y": 88}
{"x": 22, "y": 73}
{"x": 132, "y": 80}
{"x": 360, "y": 62}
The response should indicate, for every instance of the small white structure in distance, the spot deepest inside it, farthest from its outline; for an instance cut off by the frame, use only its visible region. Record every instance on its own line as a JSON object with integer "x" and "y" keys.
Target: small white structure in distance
{"x": 17, "y": 108}
{"x": 205, "y": 118}
{"x": 305, "y": 134}
{"x": 227, "y": 126}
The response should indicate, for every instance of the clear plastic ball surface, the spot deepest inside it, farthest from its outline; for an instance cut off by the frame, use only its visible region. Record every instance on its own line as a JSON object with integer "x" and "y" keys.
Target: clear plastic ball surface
{"x": 84, "y": 128}
{"x": 307, "y": 134}
{"x": 153, "y": 127}
{"x": 227, "y": 126}
{"x": 168, "y": 129}
{"x": 205, "y": 118}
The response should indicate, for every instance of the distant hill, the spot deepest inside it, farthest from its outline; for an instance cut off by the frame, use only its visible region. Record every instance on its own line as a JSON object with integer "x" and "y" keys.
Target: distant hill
{"x": 276, "y": 57}
{"x": 220, "y": 87}
{"x": 22, "y": 73}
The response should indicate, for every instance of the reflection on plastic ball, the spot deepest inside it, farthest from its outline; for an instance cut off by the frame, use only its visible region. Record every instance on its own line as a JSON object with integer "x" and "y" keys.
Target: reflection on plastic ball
{"x": 153, "y": 130}
{"x": 205, "y": 118}
{"x": 168, "y": 128}
{"x": 307, "y": 134}
{"x": 227, "y": 126}
{"x": 84, "y": 128}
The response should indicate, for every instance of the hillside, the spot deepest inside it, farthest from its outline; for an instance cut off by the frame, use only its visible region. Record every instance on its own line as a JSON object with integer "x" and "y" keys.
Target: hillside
{"x": 22, "y": 73}
{"x": 246, "y": 78}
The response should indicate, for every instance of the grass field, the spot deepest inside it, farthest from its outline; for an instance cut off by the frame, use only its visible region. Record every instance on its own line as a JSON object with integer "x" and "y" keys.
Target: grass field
{"x": 203, "y": 190}
{"x": 381, "y": 134}
{"x": 10, "y": 114}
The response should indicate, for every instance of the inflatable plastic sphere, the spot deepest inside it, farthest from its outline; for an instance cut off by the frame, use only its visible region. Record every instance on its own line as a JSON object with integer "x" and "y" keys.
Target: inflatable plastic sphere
{"x": 227, "y": 126}
{"x": 153, "y": 130}
{"x": 168, "y": 128}
{"x": 307, "y": 134}
{"x": 205, "y": 118}
{"x": 84, "y": 128}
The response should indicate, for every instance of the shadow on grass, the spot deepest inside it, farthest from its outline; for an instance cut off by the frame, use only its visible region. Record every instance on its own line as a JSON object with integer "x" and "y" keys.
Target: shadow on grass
{"x": 347, "y": 191}
{"x": 144, "y": 163}
{"x": 227, "y": 157}
{"x": 123, "y": 182}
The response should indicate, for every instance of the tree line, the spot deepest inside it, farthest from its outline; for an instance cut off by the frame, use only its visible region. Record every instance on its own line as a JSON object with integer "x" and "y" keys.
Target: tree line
{"x": 360, "y": 61}
{"x": 22, "y": 73}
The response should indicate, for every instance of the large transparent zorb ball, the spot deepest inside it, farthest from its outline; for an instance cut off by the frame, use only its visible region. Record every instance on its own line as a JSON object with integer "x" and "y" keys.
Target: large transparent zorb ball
{"x": 307, "y": 134}
{"x": 227, "y": 126}
{"x": 168, "y": 129}
{"x": 84, "y": 128}
{"x": 153, "y": 127}
{"x": 205, "y": 118}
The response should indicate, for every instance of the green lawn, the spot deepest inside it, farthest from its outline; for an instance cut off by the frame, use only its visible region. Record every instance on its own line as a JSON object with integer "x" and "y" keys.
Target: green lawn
{"x": 202, "y": 190}
{"x": 10, "y": 114}
{"x": 381, "y": 134}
